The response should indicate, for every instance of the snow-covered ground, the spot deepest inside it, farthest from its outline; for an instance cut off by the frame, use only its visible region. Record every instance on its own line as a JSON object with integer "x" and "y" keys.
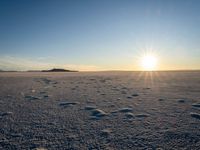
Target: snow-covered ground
{"x": 100, "y": 110}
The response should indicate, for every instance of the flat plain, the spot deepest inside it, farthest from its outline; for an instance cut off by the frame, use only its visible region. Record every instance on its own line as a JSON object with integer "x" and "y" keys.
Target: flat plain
{"x": 100, "y": 110}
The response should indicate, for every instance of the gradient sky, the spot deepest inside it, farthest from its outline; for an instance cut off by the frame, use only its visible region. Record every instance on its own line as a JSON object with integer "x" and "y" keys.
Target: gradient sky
{"x": 98, "y": 34}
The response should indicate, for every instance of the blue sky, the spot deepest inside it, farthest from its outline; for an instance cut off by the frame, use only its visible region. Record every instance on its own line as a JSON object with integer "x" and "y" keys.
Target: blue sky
{"x": 98, "y": 34}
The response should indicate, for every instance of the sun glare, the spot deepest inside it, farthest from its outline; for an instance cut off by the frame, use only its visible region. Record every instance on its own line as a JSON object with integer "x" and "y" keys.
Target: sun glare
{"x": 149, "y": 62}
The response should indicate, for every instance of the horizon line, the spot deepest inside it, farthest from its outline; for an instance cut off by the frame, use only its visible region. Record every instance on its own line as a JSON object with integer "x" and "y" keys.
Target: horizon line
{"x": 105, "y": 70}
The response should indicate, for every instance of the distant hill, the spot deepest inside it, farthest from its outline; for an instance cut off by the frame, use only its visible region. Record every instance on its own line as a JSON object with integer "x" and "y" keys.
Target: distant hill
{"x": 58, "y": 70}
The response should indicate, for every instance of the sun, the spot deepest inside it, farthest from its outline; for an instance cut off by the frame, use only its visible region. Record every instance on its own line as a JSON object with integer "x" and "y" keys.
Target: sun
{"x": 149, "y": 62}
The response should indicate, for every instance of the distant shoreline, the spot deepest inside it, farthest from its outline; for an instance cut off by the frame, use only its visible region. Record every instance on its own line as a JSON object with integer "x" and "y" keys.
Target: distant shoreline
{"x": 52, "y": 70}
{"x": 43, "y": 71}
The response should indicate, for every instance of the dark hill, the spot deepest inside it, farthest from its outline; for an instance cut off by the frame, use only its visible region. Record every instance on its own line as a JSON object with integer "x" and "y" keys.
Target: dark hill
{"x": 58, "y": 70}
